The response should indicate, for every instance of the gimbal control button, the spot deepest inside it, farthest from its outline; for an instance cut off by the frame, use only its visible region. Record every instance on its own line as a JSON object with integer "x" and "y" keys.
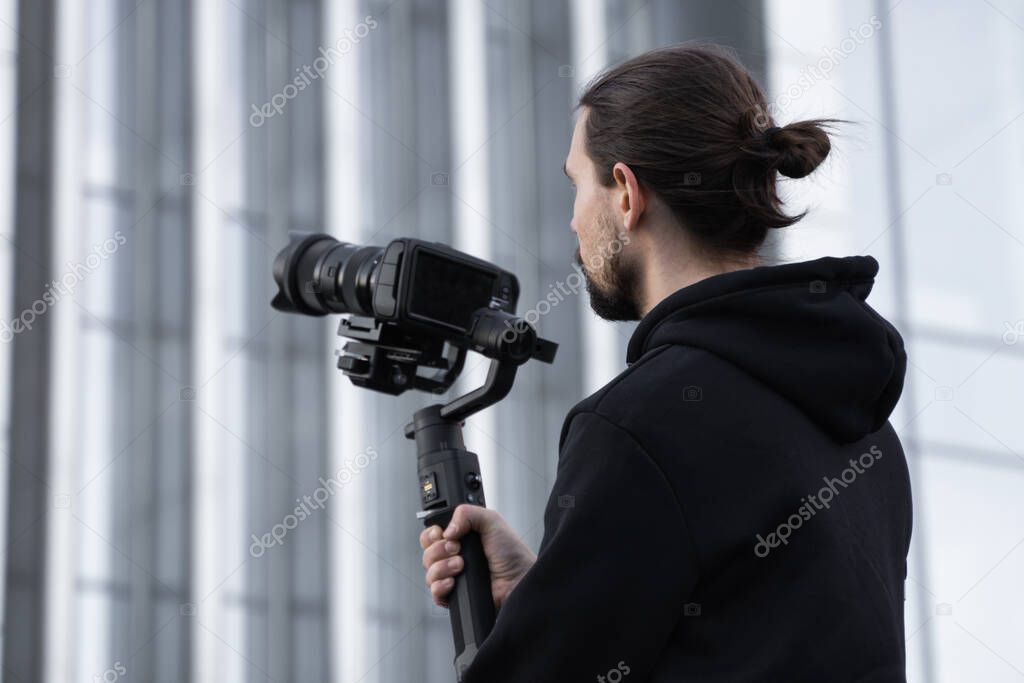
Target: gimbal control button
{"x": 473, "y": 481}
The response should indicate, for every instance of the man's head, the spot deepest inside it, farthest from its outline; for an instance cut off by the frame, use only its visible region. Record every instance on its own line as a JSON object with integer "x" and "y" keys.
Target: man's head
{"x": 613, "y": 281}
{"x": 674, "y": 160}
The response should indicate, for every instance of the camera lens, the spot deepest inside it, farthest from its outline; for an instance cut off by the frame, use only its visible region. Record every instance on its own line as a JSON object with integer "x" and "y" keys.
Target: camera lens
{"x": 316, "y": 275}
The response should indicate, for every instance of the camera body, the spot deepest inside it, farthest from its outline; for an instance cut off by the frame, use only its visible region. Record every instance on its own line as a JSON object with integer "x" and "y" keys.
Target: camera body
{"x": 412, "y": 283}
{"x": 430, "y": 285}
{"x": 414, "y": 308}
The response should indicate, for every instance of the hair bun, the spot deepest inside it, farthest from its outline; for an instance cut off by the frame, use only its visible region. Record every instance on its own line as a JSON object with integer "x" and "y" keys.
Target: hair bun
{"x": 801, "y": 146}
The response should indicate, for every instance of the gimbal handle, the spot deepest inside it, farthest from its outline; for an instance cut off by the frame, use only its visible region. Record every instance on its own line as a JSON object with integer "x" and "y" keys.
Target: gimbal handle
{"x": 449, "y": 475}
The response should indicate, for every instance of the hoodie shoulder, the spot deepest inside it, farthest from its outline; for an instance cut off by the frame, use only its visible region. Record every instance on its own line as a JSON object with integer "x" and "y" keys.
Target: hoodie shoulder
{"x": 619, "y": 385}
{"x": 664, "y": 376}
{"x": 674, "y": 391}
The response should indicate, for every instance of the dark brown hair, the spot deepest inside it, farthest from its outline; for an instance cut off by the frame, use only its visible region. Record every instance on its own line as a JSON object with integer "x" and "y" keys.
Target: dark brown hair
{"x": 695, "y": 128}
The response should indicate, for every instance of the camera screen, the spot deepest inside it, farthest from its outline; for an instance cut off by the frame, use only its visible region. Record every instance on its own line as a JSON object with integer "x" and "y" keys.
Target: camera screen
{"x": 448, "y": 291}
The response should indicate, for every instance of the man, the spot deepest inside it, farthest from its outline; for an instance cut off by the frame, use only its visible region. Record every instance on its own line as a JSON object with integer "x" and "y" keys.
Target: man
{"x": 734, "y": 506}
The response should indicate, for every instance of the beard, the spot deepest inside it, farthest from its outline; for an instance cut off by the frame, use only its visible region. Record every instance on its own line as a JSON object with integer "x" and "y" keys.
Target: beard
{"x": 616, "y": 296}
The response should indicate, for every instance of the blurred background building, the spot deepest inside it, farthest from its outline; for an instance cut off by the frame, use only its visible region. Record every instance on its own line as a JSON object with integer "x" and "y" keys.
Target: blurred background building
{"x": 159, "y": 419}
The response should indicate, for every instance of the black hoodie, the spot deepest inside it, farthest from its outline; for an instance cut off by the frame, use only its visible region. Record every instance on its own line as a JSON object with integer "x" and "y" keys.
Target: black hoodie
{"x": 734, "y": 506}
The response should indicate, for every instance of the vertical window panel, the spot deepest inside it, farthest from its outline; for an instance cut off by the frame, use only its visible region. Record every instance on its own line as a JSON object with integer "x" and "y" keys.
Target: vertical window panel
{"x": 8, "y": 102}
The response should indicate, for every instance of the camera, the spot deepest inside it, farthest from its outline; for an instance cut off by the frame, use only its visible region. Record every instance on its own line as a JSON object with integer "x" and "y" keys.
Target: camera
{"x": 410, "y": 282}
{"x": 414, "y": 308}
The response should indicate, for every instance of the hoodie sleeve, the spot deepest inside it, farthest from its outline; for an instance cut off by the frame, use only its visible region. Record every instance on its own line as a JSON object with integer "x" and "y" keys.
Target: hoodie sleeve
{"x": 613, "y": 572}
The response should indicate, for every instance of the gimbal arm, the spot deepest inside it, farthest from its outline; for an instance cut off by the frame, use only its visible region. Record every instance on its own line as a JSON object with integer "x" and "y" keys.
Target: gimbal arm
{"x": 449, "y": 475}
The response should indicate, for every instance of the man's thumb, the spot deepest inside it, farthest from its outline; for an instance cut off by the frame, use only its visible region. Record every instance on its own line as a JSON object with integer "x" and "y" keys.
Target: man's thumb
{"x": 467, "y": 517}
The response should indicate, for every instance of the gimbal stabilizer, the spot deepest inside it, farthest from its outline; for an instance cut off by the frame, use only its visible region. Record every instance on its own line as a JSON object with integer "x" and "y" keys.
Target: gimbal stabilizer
{"x": 419, "y": 307}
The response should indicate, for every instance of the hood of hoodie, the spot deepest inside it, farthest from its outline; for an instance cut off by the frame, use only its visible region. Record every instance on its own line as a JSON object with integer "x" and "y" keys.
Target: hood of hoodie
{"x": 804, "y": 329}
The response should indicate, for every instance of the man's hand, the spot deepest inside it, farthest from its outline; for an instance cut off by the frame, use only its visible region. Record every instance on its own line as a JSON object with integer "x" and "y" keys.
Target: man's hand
{"x": 508, "y": 558}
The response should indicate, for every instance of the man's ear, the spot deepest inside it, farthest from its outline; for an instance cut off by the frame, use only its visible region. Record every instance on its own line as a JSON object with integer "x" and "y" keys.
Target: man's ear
{"x": 628, "y": 197}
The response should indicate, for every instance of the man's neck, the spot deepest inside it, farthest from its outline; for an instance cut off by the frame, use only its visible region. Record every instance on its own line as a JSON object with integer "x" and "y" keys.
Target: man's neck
{"x": 667, "y": 273}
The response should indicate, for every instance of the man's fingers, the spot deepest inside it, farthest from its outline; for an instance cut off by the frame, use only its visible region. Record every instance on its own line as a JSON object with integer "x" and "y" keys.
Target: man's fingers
{"x": 444, "y": 569}
{"x": 440, "y": 590}
{"x": 438, "y": 551}
{"x": 429, "y": 535}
